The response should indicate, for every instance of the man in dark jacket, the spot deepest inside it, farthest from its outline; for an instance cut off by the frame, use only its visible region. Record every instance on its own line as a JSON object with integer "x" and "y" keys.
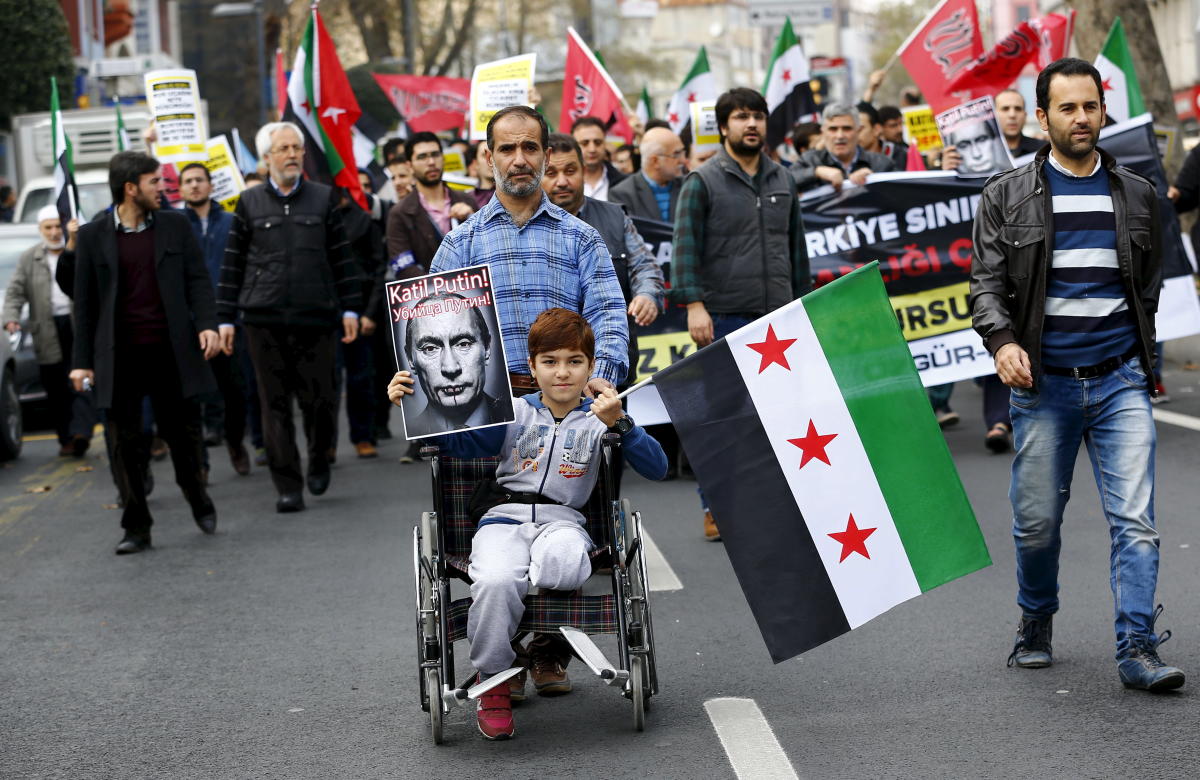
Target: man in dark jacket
{"x": 652, "y": 192}
{"x": 211, "y": 223}
{"x": 599, "y": 175}
{"x": 1064, "y": 288}
{"x": 146, "y": 326}
{"x": 738, "y": 250}
{"x": 842, "y": 158}
{"x": 289, "y": 271}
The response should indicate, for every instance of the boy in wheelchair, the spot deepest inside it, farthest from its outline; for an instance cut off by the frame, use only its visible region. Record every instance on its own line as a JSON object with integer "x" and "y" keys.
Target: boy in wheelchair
{"x": 549, "y": 466}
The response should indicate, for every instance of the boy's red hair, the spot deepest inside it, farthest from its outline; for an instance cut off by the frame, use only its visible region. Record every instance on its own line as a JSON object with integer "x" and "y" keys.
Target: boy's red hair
{"x": 561, "y": 329}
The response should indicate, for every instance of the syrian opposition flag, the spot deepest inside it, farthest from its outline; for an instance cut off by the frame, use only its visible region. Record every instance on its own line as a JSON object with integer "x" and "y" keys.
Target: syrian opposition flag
{"x": 66, "y": 196}
{"x": 122, "y": 133}
{"x": 818, "y": 454}
{"x": 588, "y": 90}
{"x": 644, "y": 108}
{"x": 789, "y": 95}
{"x": 699, "y": 85}
{"x": 1122, "y": 95}
{"x": 321, "y": 102}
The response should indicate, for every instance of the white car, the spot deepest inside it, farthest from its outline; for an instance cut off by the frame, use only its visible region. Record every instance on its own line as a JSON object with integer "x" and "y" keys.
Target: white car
{"x": 94, "y": 195}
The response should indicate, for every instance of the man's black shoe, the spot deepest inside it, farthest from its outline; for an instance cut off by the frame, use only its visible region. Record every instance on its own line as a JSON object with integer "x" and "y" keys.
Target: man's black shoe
{"x": 133, "y": 543}
{"x": 318, "y": 483}
{"x": 206, "y": 519}
{"x": 239, "y": 458}
{"x": 1141, "y": 668}
{"x": 1032, "y": 648}
{"x": 289, "y": 502}
{"x": 148, "y": 481}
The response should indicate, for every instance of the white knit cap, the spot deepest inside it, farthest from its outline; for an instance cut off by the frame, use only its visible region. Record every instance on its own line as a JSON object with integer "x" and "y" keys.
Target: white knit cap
{"x": 47, "y": 212}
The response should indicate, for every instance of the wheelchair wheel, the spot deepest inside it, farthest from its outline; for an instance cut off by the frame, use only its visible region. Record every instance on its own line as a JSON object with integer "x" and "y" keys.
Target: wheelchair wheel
{"x": 637, "y": 690}
{"x": 429, "y": 657}
{"x": 433, "y": 684}
{"x": 648, "y": 622}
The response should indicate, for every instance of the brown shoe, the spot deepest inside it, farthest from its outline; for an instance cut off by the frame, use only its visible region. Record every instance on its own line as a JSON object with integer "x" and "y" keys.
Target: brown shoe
{"x": 366, "y": 449}
{"x": 549, "y": 676}
{"x": 516, "y": 687}
{"x": 710, "y": 528}
{"x": 158, "y": 449}
{"x": 239, "y": 458}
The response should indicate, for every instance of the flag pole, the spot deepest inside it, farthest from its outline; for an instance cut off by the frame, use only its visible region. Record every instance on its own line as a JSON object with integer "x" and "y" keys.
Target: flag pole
{"x": 628, "y": 390}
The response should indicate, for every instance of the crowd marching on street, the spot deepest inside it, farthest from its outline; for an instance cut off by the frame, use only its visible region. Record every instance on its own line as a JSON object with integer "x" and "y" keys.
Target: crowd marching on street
{"x": 187, "y": 330}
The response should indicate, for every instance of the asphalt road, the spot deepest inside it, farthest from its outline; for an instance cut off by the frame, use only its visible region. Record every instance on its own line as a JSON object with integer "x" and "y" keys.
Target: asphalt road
{"x": 283, "y": 647}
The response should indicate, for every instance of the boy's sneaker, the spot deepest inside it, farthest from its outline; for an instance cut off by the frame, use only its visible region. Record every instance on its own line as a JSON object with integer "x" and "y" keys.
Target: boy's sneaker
{"x": 494, "y": 712}
{"x": 1032, "y": 648}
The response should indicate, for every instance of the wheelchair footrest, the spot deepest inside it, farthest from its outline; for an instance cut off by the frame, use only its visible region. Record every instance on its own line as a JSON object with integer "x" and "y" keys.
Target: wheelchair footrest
{"x": 545, "y": 613}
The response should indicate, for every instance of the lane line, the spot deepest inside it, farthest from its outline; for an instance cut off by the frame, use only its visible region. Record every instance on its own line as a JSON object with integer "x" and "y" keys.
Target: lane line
{"x": 751, "y": 746}
{"x": 1175, "y": 418}
{"x": 658, "y": 571}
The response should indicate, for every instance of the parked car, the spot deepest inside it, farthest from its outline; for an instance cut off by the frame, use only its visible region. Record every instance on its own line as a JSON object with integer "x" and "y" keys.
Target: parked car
{"x": 92, "y": 185}
{"x": 27, "y": 381}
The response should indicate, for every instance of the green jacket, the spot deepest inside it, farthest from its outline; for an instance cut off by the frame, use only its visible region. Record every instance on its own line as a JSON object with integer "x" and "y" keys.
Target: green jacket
{"x": 30, "y": 284}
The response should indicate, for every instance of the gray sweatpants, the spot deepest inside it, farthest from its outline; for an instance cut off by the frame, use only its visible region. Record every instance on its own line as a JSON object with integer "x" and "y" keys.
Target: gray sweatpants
{"x": 506, "y": 560}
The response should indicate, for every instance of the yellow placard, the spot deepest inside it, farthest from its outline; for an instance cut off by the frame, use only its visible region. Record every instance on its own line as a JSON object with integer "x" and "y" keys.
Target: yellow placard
{"x": 454, "y": 171}
{"x": 227, "y": 182}
{"x": 497, "y": 85}
{"x": 173, "y": 97}
{"x": 933, "y": 312}
{"x": 660, "y": 350}
{"x": 704, "y": 123}
{"x": 920, "y": 128}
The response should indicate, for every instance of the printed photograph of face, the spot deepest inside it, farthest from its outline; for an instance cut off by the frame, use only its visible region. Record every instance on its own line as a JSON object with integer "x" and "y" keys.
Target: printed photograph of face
{"x": 459, "y": 385}
{"x": 982, "y": 148}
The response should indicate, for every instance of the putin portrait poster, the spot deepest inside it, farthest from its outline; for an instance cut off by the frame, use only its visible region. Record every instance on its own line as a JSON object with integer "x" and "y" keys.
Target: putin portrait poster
{"x": 445, "y": 330}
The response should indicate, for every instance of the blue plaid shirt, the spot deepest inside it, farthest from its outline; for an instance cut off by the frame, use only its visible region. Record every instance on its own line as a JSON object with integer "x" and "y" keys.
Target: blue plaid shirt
{"x": 554, "y": 260}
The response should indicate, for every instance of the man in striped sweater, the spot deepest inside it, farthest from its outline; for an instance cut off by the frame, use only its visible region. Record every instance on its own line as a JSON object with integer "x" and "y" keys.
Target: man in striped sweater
{"x": 1064, "y": 288}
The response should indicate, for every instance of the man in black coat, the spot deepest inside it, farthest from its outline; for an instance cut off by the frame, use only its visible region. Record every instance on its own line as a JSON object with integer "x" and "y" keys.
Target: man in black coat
{"x": 289, "y": 272}
{"x": 652, "y": 192}
{"x": 147, "y": 325}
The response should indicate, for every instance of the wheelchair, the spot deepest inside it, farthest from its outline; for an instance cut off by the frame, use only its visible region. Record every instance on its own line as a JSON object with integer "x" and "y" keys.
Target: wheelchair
{"x": 441, "y": 553}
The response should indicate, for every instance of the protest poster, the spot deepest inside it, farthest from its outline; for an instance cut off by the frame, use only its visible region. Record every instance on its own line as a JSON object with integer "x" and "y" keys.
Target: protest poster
{"x": 454, "y": 172}
{"x": 446, "y": 331}
{"x": 173, "y": 97}
{"x": 427, "y": 103}
{"x": 497, "y": 85}
{"x": 920, "y": 128}
{"x": 972, "y": 129}
{"x": 227, "y": 182}
{"x": 705, "y": 133}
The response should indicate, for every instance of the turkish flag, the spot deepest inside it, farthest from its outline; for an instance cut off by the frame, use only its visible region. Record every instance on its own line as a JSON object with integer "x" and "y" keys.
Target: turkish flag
{"x": 943, "y": 45}
{"x": 588, "y": 90}
{"x": 1041, "y": 40}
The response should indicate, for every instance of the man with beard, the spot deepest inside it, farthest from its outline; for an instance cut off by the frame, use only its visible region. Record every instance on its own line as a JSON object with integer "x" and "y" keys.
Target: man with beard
{"x": 289, "y": 272}
{"x": 541, "y": 258}
{"x": 738, "y": 249}
{"x": 211, "y": 223}
{"x": 599, "y": 174}
{"x": 842, "y": 158}
{"x": 146, "y": 323}
{"x": 1064, "y": 288}
{"x": 449, "y": 353}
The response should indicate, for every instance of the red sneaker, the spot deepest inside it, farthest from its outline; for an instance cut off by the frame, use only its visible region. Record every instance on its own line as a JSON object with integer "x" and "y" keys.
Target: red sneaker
{"x": 494, "y": 713}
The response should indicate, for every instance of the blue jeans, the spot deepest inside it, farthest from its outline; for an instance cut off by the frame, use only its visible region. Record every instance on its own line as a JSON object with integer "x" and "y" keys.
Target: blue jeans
{"x": 1111, "y": 415}
{"x": 723, "y": 325}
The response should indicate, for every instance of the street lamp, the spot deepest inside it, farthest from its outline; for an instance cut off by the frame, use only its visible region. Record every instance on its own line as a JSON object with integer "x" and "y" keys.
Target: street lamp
{"x": 255, "y": 8}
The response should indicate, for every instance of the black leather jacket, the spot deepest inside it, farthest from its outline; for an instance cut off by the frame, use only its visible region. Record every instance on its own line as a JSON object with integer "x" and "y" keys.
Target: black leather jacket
{"x": 1014, "y": 239}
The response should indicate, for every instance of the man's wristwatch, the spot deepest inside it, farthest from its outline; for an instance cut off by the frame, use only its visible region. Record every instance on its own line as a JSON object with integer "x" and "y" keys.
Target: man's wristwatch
{"x": 623, "y": 425}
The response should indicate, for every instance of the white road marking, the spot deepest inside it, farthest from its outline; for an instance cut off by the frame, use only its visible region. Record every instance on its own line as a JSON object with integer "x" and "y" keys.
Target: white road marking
{"x": 658, "y": 571}
{"x": 751, "y": 746}
{"x": 1175, "y": 418}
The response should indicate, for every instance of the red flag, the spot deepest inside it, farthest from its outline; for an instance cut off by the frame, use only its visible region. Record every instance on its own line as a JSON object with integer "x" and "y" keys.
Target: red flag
{"x": 589, "y": 91}
{"x": 1041, "y": 40}
{"x": 280, "y": 85}
{"x": 914, "y": 161}
{"x": 428, "y": 103}
{"x": 945, "y": 43}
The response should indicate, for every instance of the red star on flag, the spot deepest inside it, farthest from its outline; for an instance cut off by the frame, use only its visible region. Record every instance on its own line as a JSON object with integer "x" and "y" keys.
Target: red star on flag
{"x": 853, "y": 540}
{"x": 691, "y": 97}
{"x": 1108, "y": 84}
{"x": 787, "y": 75}
{"x": 673, "y": 118}
{"x": 814, "y": 445}
{"x": 772, "y": 350}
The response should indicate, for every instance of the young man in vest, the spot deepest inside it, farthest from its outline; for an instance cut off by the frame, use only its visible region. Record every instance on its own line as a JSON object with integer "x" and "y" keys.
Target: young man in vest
{"x": 738, "y": 248}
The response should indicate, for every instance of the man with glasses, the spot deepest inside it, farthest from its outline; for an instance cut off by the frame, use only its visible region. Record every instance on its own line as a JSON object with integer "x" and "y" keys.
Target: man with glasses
{"x": 738, "y": 249}
{"x": 653, "y": 192}
{"x": 289, "y": 272}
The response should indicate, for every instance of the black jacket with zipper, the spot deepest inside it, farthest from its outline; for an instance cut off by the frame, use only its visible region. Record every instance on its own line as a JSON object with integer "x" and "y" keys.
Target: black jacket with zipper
{"x": 287, "y": 261}
{"x": 1014, "y": 244}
